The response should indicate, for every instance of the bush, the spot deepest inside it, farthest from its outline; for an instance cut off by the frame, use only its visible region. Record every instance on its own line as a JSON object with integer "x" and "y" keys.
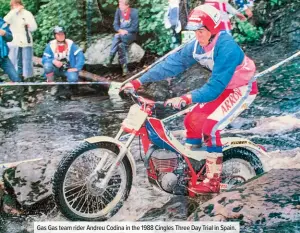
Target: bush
{"x": 246, "y": 32}
{"x": 4, "y": 8}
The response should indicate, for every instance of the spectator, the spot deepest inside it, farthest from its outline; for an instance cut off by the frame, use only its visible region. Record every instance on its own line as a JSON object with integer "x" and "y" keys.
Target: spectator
{"x": 5, "y": 63}
{"x": 245, "y": 6}
{"x": 22, "y": 23}
{"x": 62, "y": 57}
{"x": 126, "y": 25}
{"x": 172, "y": 21}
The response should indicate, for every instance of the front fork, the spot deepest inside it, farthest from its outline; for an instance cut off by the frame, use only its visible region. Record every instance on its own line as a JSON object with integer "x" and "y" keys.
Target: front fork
{"x": 121, "y": 155}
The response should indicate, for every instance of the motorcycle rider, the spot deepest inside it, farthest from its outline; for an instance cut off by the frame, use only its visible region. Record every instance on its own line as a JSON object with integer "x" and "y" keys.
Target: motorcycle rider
{"x": 62, "y": 57}
{"x": 229, "y": 91}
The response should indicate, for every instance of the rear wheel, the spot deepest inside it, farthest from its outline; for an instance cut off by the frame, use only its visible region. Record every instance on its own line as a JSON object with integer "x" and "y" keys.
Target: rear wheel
{"x": 240, "y": 165}
{"x": 79, "y": 196}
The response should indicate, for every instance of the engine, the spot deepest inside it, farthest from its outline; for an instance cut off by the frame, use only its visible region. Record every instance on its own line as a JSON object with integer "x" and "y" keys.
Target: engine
{"x": 169, "y": 171}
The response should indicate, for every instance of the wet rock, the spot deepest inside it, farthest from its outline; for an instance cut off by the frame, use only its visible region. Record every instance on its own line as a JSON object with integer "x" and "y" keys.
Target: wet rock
{"x": 98, "y": 52}
{"x": 281, "y": 22}
{"x": 190, "y": 80}
{"x": 31, "y": 181}
{"x": 266, "y": 201}
{"x": 177, "y": 209}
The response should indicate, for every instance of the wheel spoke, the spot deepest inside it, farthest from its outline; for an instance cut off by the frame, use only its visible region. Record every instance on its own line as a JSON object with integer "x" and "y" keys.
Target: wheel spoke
{"x": 73, "y": 188}
{"x": 76, "y": 198}
{"x": 83, "y": 203}
{"x": 80, "y": 200}
{"x": 79, "y": 193}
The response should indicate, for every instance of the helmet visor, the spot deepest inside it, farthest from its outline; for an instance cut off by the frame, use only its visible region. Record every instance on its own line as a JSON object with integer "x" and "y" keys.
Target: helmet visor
{"x": 193, "y": 26}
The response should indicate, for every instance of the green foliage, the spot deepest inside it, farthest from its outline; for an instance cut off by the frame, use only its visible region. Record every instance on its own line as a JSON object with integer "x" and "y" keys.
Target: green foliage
{"x": 33, "y": 5}
{"x": 275, "y": 2}
{"x": 69, "y": 14}
{"x": 246, "y": 32}
{"x": 151, "y": 17}
{"x": 4, "y": 7}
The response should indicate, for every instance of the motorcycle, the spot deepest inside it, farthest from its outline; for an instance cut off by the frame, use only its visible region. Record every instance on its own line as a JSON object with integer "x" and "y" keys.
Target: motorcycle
{"x": 93, "y": 181}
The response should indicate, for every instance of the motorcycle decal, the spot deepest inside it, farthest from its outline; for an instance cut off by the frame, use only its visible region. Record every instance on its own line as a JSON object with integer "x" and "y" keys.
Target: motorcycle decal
{"x": 157, "y": 135}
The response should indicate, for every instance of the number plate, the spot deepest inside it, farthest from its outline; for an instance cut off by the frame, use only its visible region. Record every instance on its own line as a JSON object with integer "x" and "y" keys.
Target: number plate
{"x": 135, "y": 118}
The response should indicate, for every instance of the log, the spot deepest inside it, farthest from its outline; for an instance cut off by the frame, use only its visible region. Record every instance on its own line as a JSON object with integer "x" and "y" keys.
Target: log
{"x": 84, "y": 74}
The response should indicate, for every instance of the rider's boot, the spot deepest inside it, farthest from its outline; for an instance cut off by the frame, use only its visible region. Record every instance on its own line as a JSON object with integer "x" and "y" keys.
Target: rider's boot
{"x": 213, "y": 165}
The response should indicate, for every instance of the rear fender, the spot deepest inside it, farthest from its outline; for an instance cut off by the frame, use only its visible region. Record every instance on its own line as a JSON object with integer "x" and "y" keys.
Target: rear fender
{"x": 130, "y": 157}
{"x": 232, "y": 142}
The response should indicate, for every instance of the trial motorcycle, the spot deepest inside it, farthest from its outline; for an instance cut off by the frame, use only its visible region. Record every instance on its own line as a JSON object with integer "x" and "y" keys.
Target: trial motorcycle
{"x": 93, "y": 181}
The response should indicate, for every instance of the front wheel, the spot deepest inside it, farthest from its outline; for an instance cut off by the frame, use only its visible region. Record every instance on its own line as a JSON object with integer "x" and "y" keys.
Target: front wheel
{"x": 78, "y": 196}
{"x": 239, "y": 166}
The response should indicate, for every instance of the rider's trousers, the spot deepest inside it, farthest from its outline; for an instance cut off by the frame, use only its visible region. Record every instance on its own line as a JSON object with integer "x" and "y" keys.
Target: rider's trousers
{"x": 206, "y": 120}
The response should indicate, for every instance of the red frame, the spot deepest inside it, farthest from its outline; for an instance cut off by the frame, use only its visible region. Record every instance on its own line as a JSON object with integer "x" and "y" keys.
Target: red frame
{"x": 194, "y": 178}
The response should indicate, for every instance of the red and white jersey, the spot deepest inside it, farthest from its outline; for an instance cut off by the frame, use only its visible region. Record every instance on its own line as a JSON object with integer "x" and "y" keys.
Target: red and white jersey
{"x": 243, "y": 73}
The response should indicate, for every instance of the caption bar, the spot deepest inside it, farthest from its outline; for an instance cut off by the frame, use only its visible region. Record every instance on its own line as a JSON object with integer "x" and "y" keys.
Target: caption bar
{"x": 129, "y": 227}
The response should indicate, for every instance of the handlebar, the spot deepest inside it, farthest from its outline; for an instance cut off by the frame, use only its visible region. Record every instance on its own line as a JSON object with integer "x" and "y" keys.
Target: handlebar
{"x": 139, "y": 99}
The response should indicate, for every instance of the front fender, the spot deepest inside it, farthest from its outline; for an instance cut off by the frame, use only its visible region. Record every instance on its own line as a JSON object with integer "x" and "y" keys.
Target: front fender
{"x": 232, "y": 142}
{"x": 130, "y": 157}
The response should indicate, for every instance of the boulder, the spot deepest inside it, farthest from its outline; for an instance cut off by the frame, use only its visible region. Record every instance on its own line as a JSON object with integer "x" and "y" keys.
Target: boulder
{"x": 177, "y": 209}
{"x": 270, "y": 200}
{"x": 31, "y": 181}
{"x": 98, "y": 52}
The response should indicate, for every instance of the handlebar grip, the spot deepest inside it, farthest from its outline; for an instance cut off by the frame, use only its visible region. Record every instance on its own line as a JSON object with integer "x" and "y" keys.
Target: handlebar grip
{"x": 183, "y": 104}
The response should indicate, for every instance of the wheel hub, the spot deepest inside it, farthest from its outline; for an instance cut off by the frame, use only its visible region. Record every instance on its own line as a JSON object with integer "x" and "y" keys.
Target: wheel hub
{"x": 93, "y": 185}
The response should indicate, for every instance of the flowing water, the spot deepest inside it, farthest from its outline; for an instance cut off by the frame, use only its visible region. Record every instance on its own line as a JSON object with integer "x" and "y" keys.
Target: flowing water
{"x": 54, "y": 127}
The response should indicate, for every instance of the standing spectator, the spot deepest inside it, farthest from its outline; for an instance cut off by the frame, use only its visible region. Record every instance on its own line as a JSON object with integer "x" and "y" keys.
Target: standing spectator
{"x": 126, "y": 24}
{"x": 22, "y": 23}
{"x": 5, "y": 63}
{"x": 172, "y": 21}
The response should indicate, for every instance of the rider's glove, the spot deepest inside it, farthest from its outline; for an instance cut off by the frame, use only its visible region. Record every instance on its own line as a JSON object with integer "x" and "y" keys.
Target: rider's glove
{"x": 179, "y": 102}
{"x": 129, "y": 87}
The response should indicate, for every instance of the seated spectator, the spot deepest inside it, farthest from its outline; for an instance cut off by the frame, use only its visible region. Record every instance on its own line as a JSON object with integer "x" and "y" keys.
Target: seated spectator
{"x": 62, "y": 57}
{"x": 126, "y": 25}
{"x": 22, "y": 24}
{"x": 5, "y": 63}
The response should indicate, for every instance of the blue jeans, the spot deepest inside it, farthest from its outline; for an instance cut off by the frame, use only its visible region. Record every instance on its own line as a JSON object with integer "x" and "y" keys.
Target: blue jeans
{"x": 120, "y": 44}
{"x": 22, "y": 59}
{"x": 9, "y": 69}
{"x": 51, "y": 70}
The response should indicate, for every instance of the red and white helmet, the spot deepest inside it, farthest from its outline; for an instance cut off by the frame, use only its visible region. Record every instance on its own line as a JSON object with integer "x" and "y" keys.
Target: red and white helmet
{"x": 204, "y": 16}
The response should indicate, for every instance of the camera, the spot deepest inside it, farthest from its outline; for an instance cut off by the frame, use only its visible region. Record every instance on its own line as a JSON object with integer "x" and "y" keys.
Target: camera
{"x": 66, "y": 64}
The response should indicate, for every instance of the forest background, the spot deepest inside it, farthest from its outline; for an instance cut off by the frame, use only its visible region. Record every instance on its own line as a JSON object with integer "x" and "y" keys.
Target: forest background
{"x": 84, "y": 20}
